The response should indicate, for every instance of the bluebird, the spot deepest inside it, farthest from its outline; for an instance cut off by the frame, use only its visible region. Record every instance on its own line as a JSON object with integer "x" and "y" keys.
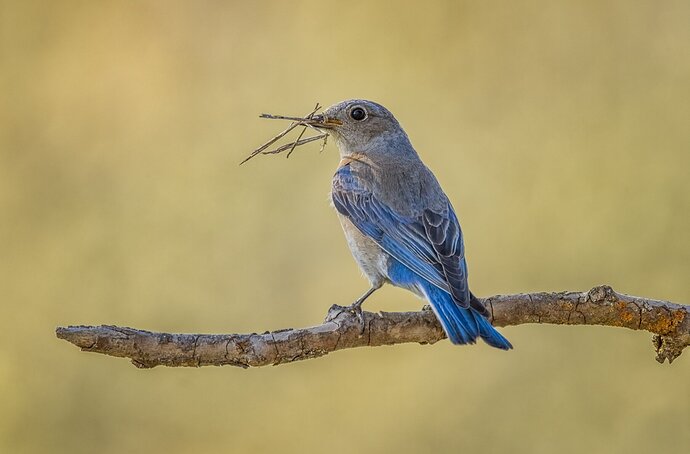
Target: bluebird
{"x": 398, "y": 222}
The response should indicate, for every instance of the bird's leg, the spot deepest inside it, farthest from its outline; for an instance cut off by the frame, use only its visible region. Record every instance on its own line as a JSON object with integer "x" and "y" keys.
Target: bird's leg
{"x": 356, "y": 307}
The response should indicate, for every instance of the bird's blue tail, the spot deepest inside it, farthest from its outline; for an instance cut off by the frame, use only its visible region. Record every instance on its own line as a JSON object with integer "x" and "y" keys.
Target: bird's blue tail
{"x": 462, "y": 325}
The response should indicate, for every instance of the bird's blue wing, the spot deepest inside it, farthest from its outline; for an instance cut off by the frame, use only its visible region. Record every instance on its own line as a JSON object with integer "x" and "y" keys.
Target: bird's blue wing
{"x": 431, "y": 244}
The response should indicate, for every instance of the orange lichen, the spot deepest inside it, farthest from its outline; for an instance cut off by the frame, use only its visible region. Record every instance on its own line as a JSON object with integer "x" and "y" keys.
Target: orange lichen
{"x": 624, "y": 313}
{"x": 626, "y": 316}
{"x": 678, "y": 317}
{"x": 568, "y": 305}
{"x": 666, "y": 323}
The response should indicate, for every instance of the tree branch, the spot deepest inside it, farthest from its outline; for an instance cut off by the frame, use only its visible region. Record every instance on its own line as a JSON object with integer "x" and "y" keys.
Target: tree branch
{"x": 669, "y": 322}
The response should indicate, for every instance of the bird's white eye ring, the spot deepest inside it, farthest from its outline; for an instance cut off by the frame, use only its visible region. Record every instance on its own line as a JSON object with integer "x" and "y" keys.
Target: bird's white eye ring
{"x": 358, "y": 113}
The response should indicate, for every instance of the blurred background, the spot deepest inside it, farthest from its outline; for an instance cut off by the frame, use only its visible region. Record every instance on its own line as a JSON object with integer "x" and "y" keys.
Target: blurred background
{"x": 559, "y": 131}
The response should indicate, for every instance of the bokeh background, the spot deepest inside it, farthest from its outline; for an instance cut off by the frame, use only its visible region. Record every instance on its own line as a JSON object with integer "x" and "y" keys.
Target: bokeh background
{"x": 560, "y": 130}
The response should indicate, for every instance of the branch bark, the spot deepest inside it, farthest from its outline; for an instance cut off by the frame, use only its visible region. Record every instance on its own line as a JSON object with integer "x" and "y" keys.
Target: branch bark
{"x": 669, "y": 322}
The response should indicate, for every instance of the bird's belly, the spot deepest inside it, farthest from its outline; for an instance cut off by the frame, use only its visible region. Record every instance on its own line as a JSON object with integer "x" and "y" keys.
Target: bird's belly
{"x": 372, "y": 260}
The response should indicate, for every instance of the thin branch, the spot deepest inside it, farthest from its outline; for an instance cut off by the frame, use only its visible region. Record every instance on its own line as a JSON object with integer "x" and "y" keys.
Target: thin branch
{"x": 669, "y": 322}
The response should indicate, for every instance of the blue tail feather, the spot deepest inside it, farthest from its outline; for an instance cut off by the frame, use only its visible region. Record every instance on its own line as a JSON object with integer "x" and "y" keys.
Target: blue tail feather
{"x": 457, "y": 327}
{"x": 490, "y": 335}
{"x": 463, "y": 325}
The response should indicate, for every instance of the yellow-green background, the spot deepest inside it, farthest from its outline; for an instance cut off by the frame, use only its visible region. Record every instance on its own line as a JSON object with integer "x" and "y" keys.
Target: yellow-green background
{"x": 559, "y": 130}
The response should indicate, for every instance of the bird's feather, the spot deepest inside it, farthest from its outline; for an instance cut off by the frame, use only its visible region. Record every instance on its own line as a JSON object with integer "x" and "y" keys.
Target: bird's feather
{"x": 430, "y": 244}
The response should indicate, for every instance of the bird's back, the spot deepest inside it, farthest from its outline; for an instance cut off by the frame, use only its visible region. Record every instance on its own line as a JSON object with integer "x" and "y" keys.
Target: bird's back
{"x": 406, "y": 186}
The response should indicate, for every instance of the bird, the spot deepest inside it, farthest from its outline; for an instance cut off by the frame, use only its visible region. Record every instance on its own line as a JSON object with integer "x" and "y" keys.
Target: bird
{"x": 399, "y": 224}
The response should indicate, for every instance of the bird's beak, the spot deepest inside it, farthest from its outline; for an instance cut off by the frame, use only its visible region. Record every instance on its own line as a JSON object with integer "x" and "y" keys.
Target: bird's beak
{"x": 322, "y": 122}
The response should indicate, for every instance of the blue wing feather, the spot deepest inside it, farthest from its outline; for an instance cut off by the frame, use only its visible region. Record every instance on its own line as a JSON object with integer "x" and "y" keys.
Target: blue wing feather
{"x": 430, "y": 245}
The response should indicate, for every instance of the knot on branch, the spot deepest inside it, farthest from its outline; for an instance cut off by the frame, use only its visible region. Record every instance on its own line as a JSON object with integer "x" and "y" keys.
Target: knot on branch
{"x": 601, "y": 293}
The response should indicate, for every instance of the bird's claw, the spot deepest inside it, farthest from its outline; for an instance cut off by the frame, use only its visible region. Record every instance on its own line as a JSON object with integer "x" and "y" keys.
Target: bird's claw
{"x": 356, "y": 309}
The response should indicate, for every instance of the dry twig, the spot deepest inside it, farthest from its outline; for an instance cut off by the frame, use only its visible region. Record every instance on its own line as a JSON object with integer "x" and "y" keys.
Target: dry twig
{"x": 298, "y": 143}
{"x": 296, "y": 121}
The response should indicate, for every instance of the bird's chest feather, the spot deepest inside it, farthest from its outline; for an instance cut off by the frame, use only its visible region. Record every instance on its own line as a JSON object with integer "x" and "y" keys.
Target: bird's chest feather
{"x": 372, "y": 260}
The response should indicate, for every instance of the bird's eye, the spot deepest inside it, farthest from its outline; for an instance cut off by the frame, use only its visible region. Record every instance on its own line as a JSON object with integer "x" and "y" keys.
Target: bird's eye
{"x": 358, "y": 114}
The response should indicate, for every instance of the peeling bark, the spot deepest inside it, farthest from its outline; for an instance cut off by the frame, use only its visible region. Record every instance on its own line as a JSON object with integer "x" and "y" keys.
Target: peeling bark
{"x": 669, "y": 322}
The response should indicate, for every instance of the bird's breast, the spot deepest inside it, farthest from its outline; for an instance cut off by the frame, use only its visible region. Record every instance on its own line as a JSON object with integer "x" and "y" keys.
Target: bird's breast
{"x": 372, "y": 260}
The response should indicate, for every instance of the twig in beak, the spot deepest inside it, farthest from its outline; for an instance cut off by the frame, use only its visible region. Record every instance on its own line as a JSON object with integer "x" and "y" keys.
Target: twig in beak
{"x": 296, "y": 121}
{"x": 270, "y": 142}
{"x": 296, "y": 143}
{"x": 316, "y": 108}
{"x": 280, "y": 117}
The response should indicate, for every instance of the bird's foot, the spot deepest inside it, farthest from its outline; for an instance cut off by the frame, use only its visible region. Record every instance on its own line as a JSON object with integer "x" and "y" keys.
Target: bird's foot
{"x": 354, "y": 309}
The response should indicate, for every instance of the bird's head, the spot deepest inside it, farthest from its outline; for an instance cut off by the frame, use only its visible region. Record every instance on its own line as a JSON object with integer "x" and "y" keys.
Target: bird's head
{"x": 364, "y": 127}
